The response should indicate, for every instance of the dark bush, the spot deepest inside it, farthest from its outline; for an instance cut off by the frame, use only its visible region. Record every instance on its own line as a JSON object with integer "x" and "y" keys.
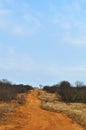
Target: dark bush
{"x": 67, "y": 92}
{"x": 9, "y": 91}
{"x": 50, "y": 89}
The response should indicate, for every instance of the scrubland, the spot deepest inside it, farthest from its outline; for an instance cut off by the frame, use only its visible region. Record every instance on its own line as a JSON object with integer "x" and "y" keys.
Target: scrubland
{"x": 52, "y": 101}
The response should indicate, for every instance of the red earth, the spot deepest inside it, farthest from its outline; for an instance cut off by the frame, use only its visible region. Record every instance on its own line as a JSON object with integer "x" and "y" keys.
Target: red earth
{"x": 30, "y": 116}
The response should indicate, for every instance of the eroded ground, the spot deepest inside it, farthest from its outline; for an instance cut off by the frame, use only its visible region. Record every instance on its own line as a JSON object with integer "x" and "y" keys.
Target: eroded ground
{"x": 31, "y": 117}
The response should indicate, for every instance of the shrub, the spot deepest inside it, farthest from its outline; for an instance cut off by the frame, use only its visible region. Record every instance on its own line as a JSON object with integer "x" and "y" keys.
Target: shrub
{"x": 9, "y": 91}
{"x": 67, "y": 92}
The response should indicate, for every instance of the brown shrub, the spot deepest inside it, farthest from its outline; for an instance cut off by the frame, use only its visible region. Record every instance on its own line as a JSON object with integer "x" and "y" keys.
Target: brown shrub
{"x": 9, "y": 91}
{"x": 76, "y": 111}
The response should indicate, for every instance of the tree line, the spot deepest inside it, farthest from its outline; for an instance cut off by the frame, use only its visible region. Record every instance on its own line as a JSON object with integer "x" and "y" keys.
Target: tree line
{"x": 9, "y": 91}
{"x": 68, "y": 92}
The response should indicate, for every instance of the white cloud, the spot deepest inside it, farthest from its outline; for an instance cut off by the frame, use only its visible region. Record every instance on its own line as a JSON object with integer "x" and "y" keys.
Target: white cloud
{"x": 32, "y": 22}
{"x": 5, "y": 12}
{"x": 18, "y": 30}
{"x": 11, "y": 50}
{"x": 73, "y": 6}
{"x": 56, "y": 70}
{"x": 76, "y": 69}
{"x": 2, "y": 23}
{"x": 9, "y": 1}
{"x": 3, "y": 2}
{"x": 69, "y": 23}
{"x": 16, "y": 63}
{"x": 12, "y": 60}
{"x": 48, "y": 69}
{"x": 80, "y": 41}
{"x": 19, "y": 21}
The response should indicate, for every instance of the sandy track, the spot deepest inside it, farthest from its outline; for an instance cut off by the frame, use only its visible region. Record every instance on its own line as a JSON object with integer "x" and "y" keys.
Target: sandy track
{"x": 32, "y": 117}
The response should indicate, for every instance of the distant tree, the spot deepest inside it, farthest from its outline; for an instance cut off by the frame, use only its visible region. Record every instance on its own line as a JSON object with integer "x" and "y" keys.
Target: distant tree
{"x": 40, "y": 85}
{"x": 9, "y": 91}
{"x": 78, "y": 84}
{"x": 64, "y": 84}
{"x": 65, "y": 90}
{"x": 5, "y": 81}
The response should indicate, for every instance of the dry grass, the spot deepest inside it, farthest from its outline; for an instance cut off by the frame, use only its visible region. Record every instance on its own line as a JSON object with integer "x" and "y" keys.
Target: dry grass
{"x": 8, "y": 109}
{"x": 77, "y": 111}
{"x": 21, "y": 98}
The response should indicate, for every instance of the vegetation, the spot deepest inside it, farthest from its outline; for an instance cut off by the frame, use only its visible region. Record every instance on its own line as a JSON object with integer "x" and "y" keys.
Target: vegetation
{"x": 11, "y": 96}
{"x": 53, "y": 102}
{"x": 62, "y": 97}
{"x": 68, "y": 92}
{"x": 9, "y": 91}
{"x": 66, "y": 98}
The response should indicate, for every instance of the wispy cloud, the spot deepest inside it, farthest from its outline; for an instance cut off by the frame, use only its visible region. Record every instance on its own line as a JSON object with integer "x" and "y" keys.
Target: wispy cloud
{"x": 76, "y": 68}
{"x": 80, "y": 41}
{"x": 18, "y": 30}
{"x": 4, "y": 12}
{"x": 68, "y": 18}
{"x": 11, "y": 50}
{"x": 25, "y": 23}
{"x": 16, "y": 63}
{"x": 43, "y": 39}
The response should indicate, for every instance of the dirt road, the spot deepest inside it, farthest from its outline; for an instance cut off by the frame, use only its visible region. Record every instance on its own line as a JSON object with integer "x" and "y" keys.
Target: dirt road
{"x": 32, "y": 117}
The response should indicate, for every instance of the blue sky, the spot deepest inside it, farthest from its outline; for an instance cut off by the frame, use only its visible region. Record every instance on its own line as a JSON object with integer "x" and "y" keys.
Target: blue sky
{"x": 43, "y": 41}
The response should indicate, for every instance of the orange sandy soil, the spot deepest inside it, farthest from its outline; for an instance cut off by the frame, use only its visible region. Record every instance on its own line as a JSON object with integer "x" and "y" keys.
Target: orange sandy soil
{"x": 31, "y": 117}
